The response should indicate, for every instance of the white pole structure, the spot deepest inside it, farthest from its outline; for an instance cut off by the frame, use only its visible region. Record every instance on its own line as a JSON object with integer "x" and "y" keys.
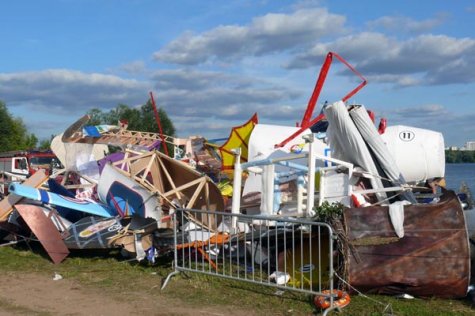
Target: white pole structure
{"x": 311, "y": 176}
{"x": 321, "y": 189}
{"x": 267, "y": 200}
{"x": 300, "y": 193}
{"x": 236, "y": 200}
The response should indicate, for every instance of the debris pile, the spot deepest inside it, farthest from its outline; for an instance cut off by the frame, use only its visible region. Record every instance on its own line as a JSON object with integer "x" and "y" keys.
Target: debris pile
{"x": 391, "y": 238}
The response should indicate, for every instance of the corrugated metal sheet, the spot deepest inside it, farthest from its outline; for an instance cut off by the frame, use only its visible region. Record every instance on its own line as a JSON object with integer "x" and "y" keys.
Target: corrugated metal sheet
{"x": 432, "y": 259}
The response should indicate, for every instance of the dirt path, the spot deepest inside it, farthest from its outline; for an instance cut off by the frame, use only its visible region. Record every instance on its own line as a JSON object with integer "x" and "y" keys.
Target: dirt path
{"x": 36, "y": 294}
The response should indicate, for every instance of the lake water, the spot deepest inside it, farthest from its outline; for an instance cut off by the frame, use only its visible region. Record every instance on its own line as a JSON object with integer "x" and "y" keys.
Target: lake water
{"x": 455, "y": 173}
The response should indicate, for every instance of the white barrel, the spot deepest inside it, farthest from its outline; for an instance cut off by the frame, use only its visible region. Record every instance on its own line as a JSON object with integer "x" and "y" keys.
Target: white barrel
{"x": 419, "y": 153}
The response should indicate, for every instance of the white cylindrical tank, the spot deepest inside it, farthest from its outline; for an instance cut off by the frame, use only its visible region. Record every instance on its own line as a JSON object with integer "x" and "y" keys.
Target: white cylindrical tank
{"x": 419, "y": 153}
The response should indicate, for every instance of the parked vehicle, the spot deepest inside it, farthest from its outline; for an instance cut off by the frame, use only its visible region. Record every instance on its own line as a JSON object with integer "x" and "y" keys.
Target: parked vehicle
{"x": 16, "y": 166}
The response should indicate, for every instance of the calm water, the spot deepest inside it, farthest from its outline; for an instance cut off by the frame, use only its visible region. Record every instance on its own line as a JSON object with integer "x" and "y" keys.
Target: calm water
{"x": 455, "y": 173}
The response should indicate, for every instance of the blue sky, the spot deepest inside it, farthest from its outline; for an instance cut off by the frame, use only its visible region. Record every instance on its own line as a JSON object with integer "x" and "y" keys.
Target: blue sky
{"x": 212, "y": 64}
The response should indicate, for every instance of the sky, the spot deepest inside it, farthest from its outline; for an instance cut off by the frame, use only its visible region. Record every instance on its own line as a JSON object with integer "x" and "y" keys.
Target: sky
{"x": 212, "y": 64}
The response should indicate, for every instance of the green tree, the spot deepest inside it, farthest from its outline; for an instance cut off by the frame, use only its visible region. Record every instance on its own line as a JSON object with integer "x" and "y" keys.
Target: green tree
{"x": 139, "y": 119}
{"x": 31, "y": 141}
{"x": 150, "y": 124}
{"x": 14, "y": 135}
{"x": 147, "y": 116}
{"x": 97, "y": 117}
{"x": 459, "y": 156}
{"x": 46, "y": 143}
{"x": 450, "y": 156}
{"x": 123, "y": 112}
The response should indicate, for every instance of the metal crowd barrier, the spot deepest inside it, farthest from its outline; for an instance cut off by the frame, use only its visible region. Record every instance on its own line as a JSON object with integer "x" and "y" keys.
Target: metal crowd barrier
{"x": 288, "y": 254}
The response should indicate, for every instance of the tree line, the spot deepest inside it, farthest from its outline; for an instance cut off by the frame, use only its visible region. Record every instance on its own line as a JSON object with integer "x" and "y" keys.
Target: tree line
{"x": 15, "y": 136}
{"x": 459, "y": 156}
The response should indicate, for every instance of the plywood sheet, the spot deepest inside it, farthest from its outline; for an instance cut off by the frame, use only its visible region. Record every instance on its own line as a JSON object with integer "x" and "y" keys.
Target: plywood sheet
{"x": 44, "y": 230}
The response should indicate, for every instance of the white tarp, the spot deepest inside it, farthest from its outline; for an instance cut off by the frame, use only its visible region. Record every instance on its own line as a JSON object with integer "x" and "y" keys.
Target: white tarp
{"x": 68, "y": 153}
{"x": 347, "y": 143}
{"x": 380, "y": 152}
{"x": 396, "y": 214}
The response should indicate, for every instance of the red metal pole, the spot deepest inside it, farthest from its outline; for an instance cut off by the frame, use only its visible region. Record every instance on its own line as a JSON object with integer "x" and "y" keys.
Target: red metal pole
{"x": 306, "y": 120}
{"x": 157, "y": 118}
{"x": 316, "y": 91}
{"x": 356, "y": 72}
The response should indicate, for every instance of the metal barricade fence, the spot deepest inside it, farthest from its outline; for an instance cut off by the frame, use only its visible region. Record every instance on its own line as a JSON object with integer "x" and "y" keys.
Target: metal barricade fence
{"x": 289, "y": 254}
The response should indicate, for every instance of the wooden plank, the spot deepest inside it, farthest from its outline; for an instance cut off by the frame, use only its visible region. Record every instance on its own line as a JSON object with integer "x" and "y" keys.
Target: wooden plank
{"x": 147, "y": 169}
{"x": 6, "y": 205}
{"x": 44, "y": 230}
{"x": 183, "y": 187}
{"x": 170, "y": 179}
{"x": 120, "y": 137}
{"x": 157, "y": 181}
{"x": 196, "y": 193}
{"x": 139, "y": 165}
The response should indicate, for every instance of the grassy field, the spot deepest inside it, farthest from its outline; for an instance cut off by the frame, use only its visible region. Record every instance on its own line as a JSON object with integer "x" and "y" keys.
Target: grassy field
{"x": 108, "y": 271}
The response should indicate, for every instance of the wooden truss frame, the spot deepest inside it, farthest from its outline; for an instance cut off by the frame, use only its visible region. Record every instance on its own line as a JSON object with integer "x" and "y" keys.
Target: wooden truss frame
{"x": 176, "y": 183}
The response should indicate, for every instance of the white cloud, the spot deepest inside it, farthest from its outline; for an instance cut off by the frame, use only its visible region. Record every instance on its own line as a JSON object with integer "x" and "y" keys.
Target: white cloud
{"x": 470, "y": 9}
{"x": 216, "y": 99}
{"x": 406, "y": 24}
{"x": 71, "y": 90}
{"x": 211, "y": 128}
{"x": 398, "y": 80}
{"x": 190, "y": 79}
{"x": 211, "y": 102}
{"x": 425, "y": 111}
{"x": 358, "y": 47}
{"x": 425, "y": 59}
{"x": 134, "y": 67}
{"x": 266, "y": 34}
{"x": 207, "y": 94}
{"x": 456, "y": 128}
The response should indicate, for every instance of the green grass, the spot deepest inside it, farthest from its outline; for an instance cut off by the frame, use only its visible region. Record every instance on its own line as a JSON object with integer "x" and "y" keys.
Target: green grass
{"x": 107, "y": 270}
